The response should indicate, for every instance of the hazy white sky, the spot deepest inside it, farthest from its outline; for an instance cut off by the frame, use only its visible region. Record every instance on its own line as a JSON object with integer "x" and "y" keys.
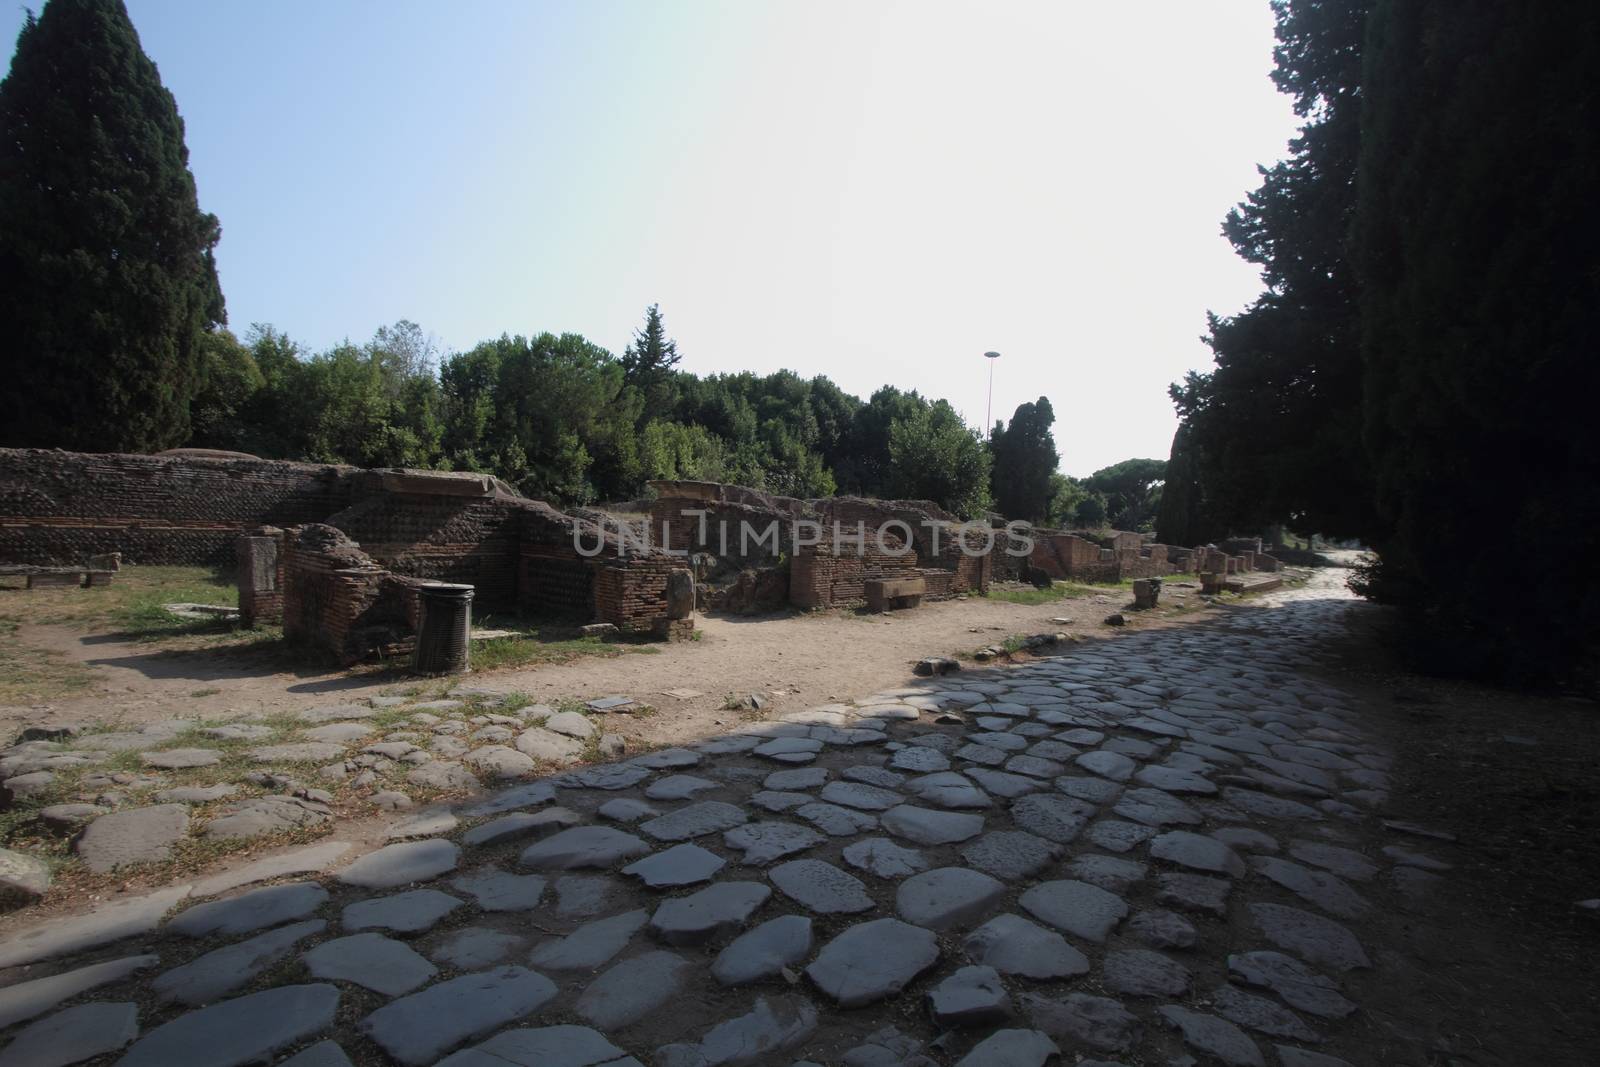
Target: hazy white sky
{"x": 876, "y": 191}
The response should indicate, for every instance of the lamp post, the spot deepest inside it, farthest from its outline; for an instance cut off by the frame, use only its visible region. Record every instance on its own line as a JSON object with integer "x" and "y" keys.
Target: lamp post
{"x": 988, "y": 409}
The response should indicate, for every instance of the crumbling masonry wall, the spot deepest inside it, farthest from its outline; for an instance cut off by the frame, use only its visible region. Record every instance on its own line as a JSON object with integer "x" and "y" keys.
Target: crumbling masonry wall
{"x": 177, "y": 508}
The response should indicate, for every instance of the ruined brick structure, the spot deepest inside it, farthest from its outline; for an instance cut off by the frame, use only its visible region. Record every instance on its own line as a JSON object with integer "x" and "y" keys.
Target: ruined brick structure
{"x": 336, "y": 553}
{"x": 1122, "y": 555}
{"x": 180, "y": 507}
{"x": 822, "y": 562}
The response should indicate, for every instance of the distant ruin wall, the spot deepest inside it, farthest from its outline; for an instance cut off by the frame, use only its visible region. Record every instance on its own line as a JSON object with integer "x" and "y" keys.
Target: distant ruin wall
{"x": 61, "y": 507}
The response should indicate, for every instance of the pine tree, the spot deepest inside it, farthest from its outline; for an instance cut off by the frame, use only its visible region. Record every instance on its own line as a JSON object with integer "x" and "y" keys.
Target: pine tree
{"x": 1025, "y": 457}
{"x": 107, "y": 277}
{"x": 648, "y": 361}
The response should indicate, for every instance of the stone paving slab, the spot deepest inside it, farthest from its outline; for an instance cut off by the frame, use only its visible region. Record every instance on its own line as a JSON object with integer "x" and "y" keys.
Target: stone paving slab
{"x": 1120, "y": 852}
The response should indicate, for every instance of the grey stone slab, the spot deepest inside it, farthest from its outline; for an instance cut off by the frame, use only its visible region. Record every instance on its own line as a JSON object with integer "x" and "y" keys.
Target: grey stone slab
{"x": 1197, "y": 852}
{"x": 1108, "y": 872}
{"x": 763, "y": 842}
{"x": 445, "y": 775}
{"x": 1013, "y": 945}
{"x": 27, "y": 1000}
{"x": 334, "y": 712}
{"x": 1139, "y": 972}
{"x": 370, "y": 960}
{"x": 1213, "y": 1036}
{"x": 584, "y": 896}
{"x": 1162, "y": 929}
{"x": 1259, "y": 1014}
{"x": 1173, "y": 780}
{"x": 1112, "y": 765}
{"x": 1094, "y": 790}
{"x": 800, "y": 778}
{"x": 1193, "y": 892}
{"x": 768, "y": 1029}
{"x": 265, "y": 815}
{"x": 545, "y": 1046}
{"x": 135, "y": 835}
{"x": 104, "y": 925}
{"x": 947, "y": 789}
{"x": 1113, "y": 835}
{"x": 836, "y": 821}
{"x": 583, "y": 846}
{"x": 983, "y": 755}
{"x": 407, "y": 913}
{"x": 547, "y": 746}
{"x": 789, "y": 749}
{"x": 254, "y": 910}
{"x": 173, "y": 759}
{"x": 72, "y": 1036}
{"x": 693, "y": 820}
{"x": 521, "y": 824}
{"x": 947, "y": 897}
{"x": 429, "y": 822}
{"x": 340, "y": 733}
{"x": 590, "y": 945}
{"x": 1156, "y": 808}
{"x": 1290, "y": 1056}
{"x": 523, "y": 796}
{"x": 298, "y": 752}
{"x": 322, "y": 1054}
{"x": 861, "y": 796}
{"x": 1319, "y": 887}
{"x": 244, "y": 1030}
{"x": 222, "y": 971}
{"x": 1010, "y": 854}
{"x": 820, "y": 887}
{"x": 1311, "y": 937}
{"x": 878, "y": 776}
{"x": 684, "y": 864}
{"x": 972, "y": 996}
{"x": 926, "y": 826}
{"x": 402, "y": 864}
{"x": 627, "y": 810}
{"x": 872, "y": 960}
{"x": 472, "y": 948}
{"x": 1080, "y": 909}
{"x": 1255, "y": 803}
{"x": 1406, "y": 857}
{"x": 917, "y": 759}
{"x": 196, "y": 794}
{"x": 712, "y": 912}
{"x": 1345, "y": 862}
{"x": 632, "y": 990}
{"x": 417, "y": 1029}
{"x": 498, "y": 761}
{"x": 678, "y": 787}
{"x": 771, "y": 801}
{"x": 1052, "y": 816}
{"x": 499, "y": 891}
{"x": 884, "y": 858}
{"x": 1034, "y": 766}
{"x": 1245, "y": 839}
{"x": 1300, "y": 987}
{"x": 1080, "y": 1018}
{"x": 1014, "y": 1048}
{"x": 1003, "y": 783}
{"x": 667, "y": 758}
{"x": 764, "y": 951}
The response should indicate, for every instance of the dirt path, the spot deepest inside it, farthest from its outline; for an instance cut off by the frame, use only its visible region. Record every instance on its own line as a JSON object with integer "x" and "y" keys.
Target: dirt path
{"x": 796, "y": 660}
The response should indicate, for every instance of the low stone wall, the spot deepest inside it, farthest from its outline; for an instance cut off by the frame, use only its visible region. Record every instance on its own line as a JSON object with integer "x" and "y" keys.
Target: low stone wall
{"x": 175, "y": 508}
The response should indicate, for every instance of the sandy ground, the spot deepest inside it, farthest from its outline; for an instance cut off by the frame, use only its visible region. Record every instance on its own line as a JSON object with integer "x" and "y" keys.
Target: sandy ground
{"x": 795, "y": 660}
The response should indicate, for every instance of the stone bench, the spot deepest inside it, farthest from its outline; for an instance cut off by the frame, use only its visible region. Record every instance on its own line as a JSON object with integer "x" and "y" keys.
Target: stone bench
{"x": 891, "y": 594}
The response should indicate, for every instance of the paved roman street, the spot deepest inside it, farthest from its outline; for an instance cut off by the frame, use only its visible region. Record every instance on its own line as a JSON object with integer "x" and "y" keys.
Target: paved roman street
{"x": 1165, "y": 847}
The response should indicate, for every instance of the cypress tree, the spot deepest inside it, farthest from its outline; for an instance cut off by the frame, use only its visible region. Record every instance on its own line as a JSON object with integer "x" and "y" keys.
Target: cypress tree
{"x": 107, "y": 277}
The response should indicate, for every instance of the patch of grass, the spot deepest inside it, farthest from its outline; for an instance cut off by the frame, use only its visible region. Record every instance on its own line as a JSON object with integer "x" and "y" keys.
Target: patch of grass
{"x": 209, "y": 692}
{"x": 33, "y": 675}
{"x": 535, "y": 646}
{"x": 1058, "y": 590}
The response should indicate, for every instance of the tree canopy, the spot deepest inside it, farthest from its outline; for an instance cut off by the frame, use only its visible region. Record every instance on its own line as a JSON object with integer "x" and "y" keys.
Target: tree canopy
{"x": 107, "y": 280}
{"x": 1025, "y": 459}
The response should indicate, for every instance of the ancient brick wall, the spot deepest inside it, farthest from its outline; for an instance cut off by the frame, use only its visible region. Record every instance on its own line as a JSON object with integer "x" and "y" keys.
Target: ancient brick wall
{"x": 330, "y": 591}
{"x": 465, "y": 540}
{"x": 831, "y": 574}
{"x": 61, "y": 507}
{"x": 1064, "y": 555}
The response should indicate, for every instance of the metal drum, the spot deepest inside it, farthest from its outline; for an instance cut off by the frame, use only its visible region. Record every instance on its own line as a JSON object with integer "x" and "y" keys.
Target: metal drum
{"x": 444, "y": 631}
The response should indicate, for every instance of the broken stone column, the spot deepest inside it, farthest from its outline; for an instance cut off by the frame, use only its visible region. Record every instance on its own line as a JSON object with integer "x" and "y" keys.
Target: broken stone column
{"x": 260, "y": 585}
{"x": 1146, "y": 591}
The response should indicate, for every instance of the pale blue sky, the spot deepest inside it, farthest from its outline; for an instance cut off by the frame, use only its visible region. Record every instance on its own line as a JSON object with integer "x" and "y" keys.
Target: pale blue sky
{"x": 876, "y": 191}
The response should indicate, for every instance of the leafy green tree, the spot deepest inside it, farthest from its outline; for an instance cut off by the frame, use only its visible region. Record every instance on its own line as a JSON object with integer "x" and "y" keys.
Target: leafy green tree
{"x": 1183, "y": 517}
{"x": 1132, "y": 491}
{"x": 230, "y": 380}
{"x": 1066, "y": 494}
{"x": 1477, "y": 229}
{"x": 648, "y": 362}
{"x": 1277, "y": 424}
{"x": 935, "y": 456}
{"x": 107, "y": 278}
{"x": 1092, "y": 512}
{"x": 1025, "y": 460}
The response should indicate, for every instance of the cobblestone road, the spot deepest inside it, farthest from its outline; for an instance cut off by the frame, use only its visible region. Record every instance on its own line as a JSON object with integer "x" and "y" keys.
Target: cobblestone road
{"x": 1150, "y": 848}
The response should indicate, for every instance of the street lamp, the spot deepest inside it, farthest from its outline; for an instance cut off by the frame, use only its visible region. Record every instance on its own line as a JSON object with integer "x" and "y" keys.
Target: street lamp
{"x": 988, "y": 410}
